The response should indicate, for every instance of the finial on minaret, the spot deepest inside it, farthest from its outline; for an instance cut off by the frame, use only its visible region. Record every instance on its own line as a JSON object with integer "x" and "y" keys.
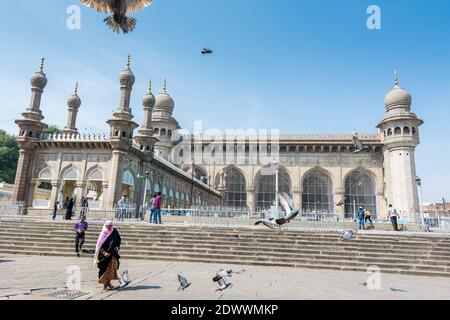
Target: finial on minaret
{"x": 76, "y": 88}
{"x": 149, "y": 87}
{"x": 41, "y": 69}
{"x": 129, "y": 61}
{"x": 396, "y": 79}
{"x": 165, "y": 85}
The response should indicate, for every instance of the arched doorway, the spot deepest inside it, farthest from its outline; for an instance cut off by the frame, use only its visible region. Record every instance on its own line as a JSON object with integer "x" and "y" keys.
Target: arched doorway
{"x": 236, "y": 193}
{"x": 265, "y": 189}
{"x": 317, "y": 193}
{"x": 68, "y": 184}
{"x": 94, "y": 191}
{"x": 360, "y": 191}
{"x": 43, "y": 189}
{"x": 128, "y": 186}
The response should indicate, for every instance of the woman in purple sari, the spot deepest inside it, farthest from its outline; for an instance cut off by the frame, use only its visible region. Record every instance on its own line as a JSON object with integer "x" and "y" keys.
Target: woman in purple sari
{"x": 107, "y": 255}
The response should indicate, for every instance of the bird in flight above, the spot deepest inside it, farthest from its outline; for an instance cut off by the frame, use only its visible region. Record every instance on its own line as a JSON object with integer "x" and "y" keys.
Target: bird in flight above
{"x": 207, "y": 51}
{"x": 119, "y": 9}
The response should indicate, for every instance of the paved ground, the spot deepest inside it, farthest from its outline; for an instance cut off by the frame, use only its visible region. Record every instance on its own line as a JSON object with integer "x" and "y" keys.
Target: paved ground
{"x": 30, "y": 277}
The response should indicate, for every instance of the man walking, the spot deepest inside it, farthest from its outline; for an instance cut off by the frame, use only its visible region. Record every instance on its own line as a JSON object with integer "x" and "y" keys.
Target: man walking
{"x": 152, "y": 209}
{"x": 361, "y": 218}
{"x": 55, "y": 210}
{"x": 123, "y": 204}
{"x": 80, "y": 230}
{"x": 84, "y": 206}
{"x": 69, "y": 210}
{"x": 394, "y": 216}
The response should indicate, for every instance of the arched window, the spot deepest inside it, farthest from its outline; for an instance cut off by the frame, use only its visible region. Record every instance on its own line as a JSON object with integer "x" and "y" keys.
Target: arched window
{"x": 164, "y": 192}
{"x": 127, "y": 178}
{"x": 360, "y": 191}
{"x": 96, "y": 175}
{"x": 169, "y": 133}
{"x": 156, "y": 131}
{"x": 389, "y": 132}
{"x": 398, "y": 130}
{"x": 317, "y": 193}
{"x": 70, "y": 175}
{"x": 156, "y": 189}
{"x": 265, "y": 194}
{"x": 414, "y": 131}
{"x": 45, "y": 174}
{"x": 163, "y": 132}
{"x": 236, "y": 194}
{"x": 406, "y": 130}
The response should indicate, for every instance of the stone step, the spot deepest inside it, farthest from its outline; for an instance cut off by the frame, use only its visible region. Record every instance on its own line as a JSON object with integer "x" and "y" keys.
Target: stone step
{"x": 287, "y": 249}
{"x": 242, "y": 255}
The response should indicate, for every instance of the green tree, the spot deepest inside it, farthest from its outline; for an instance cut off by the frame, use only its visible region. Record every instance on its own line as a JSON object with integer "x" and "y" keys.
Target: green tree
{"x": 51, "y": 130}
{"x": 9, "y": 155}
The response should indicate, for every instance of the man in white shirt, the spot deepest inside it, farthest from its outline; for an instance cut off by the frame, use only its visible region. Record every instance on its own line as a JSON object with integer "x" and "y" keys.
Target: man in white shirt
{"x": 394, "y": 216}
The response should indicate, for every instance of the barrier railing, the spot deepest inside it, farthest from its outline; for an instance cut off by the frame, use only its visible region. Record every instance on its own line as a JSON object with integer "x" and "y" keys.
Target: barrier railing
{"x": 11, "y": 210}
{"x": 116, "y": 212}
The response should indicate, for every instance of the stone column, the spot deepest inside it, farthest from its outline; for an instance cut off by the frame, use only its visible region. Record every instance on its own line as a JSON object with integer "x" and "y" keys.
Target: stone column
{"x": 298, "y": 197}
{"x": 55, "y": 190}
{"x": 21, "y": 185}
{"x": 104, "y": 194}
{"x": 79, "y": 189}
{"x": 338, "y": 197}
{"x": 115, "y": 182}
{"x": 251, "y": 199}
{"x": 30, "y": 193}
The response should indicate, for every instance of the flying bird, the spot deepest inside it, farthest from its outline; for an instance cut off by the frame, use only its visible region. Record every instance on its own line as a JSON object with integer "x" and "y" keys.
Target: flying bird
{"x": 290, "y": 213}
{"x": 207, "y": 51}
{"x": 348, "y": 234}
{"x": 222, "y": 278}
{"x": 183, "y": 282}
{"x": 340, "y": 203}
{"x": 119, "y": 9}
{"x": 359, "y": 147}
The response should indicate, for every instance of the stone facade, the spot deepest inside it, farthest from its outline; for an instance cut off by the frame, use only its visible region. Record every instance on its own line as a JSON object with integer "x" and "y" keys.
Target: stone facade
{"x": 322, "y": 173}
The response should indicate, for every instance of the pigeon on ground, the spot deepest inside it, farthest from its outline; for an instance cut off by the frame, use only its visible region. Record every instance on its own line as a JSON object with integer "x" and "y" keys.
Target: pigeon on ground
{"x": 119, "y": 8}
{"x": 124, "y": 279}
{"x": 184, "y": 283}
{"x": 222, "y": 278}
{"x": 348, "y": 234}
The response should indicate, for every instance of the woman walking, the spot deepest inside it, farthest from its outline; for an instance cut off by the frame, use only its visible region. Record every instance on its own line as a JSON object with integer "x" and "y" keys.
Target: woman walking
{"x": 107, "y": 255}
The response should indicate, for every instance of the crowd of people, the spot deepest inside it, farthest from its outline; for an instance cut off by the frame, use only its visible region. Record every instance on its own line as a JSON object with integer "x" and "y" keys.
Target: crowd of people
{"x": 365, "y": 217}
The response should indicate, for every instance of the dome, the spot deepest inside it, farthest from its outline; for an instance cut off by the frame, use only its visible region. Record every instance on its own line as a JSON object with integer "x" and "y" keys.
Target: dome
{"x": 149, "y": 99}
{"x": 127, "y": 78}
{"x": 39, "y": 80}
{"x": 74, "y": 100}
{"x": 164, "y": 101}
{"x": 398, "y": 97}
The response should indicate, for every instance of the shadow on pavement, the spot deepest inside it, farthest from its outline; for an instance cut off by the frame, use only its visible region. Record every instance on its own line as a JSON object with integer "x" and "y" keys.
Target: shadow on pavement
{"x": 136, "y": 288}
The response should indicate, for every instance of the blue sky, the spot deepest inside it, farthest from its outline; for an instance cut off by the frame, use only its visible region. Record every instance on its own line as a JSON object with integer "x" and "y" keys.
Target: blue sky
{"x": 298, "y": 66}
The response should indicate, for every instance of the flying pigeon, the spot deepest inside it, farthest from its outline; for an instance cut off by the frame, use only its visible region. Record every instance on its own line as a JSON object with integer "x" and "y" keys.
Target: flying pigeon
{"x": 124, "y": 279}
{"x": 340, "y": 203}
{"x": 207, "y": 51}
{"x": 119, "y": 8}
{"x": 183, "y": 282}
{"x": 359, "y": 147}
{"x": 397, "y": 290}
{"x": 290, "y": 213}
{"x": 222, "y": 278}
{"x": 348, "y": 234}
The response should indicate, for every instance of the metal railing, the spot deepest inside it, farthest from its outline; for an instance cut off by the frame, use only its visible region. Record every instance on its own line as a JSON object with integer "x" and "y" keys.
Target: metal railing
{"x": 116, "y": 212}
{"x": 12, "y": 210}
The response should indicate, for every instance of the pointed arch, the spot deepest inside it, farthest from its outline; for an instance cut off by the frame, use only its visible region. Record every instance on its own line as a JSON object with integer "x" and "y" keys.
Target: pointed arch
{"x": 45, "y": 174}
{"x": 317, "y": 195}
{"x": 360, "y": 191}
{"x": 69, "y": 173}
{"x": 265, "y": 188}
{"x": 236, "y": 187}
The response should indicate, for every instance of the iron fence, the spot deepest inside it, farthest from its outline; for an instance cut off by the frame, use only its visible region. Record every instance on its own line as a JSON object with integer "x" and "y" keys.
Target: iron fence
{"x": 11, "y": 210}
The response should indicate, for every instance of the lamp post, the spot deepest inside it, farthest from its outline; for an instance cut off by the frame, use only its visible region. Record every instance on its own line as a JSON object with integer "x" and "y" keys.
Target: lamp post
{"x": 144, "y": 177}
{"x": 419, "y": 186}
{"x": 275, "y": 164}
{"x": 354, "y": 208}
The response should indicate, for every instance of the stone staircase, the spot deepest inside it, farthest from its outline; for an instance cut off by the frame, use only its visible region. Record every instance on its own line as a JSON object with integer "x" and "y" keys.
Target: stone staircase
{"x": 422, "y": 255}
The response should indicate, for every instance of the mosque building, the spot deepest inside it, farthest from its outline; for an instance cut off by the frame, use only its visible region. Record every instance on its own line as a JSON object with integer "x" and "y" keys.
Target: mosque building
{"x": 322, "y": 173}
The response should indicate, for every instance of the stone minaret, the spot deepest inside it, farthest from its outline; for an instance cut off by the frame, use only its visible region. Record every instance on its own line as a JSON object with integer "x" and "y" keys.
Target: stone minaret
{"x": 164, "y": 123}
{"x": 399, "y": 130}
{"x": 74, "y": 103}
{"x": 121, "y": 133}
{"x": 30, "y": 128}
{"x": 145, "y": 137}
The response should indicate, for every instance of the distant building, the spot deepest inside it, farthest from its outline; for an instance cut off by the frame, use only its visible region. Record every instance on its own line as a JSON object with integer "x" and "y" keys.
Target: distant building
{"x": 433, "y": 210}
